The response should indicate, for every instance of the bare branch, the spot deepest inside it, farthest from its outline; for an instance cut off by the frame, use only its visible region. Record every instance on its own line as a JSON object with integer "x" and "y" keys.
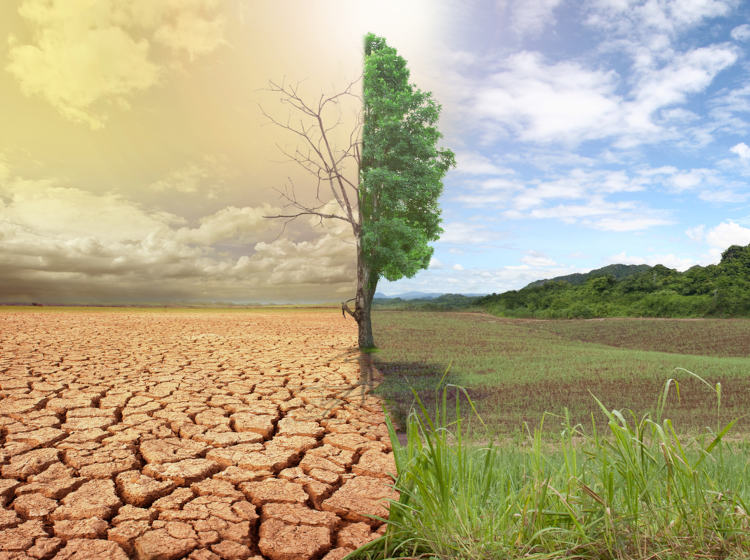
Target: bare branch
{"x": 320, "y": 160}
{"x": 319, "y": 214}
{"x": 346, "y": 91}
{"x": 305, "y": 210}
{"x": 345, "y": 308}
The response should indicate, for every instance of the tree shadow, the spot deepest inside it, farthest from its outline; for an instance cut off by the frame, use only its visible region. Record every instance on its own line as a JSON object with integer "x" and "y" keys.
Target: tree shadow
{"x": 395, "y": 381}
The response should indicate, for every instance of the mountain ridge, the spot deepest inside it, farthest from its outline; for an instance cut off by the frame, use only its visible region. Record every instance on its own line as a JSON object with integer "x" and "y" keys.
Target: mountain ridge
{"x": 715, "y": 290}
{"x": 618, "y": 271}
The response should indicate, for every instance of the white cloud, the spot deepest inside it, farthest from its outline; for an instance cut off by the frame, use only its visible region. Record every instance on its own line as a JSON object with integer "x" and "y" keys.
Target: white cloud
{"x": 52, "y": 210}
{"x": 473, "y": 163}
{"x": 686, "y": 73}
{"x": 742, "y": 150}
{"x": 741, "y": 33}
{"x": 669, "y": 260}
{"x": 85, "y": 59}
{"x": 4, "y": 168}
{"x": 691, "y": 179}
{"x": 629, "y": 223}
{"x": 563, "y": 188}
{"x": 600, "y": 214}
{"x": 286, "y": 264}
{"x": 581, "y": 196}
{"x": 710, "y": 185}
{"x": 435, "y": 264}
{"x": 457, "y": 267}
{"x": 482, "y": 200}
{"x": 74, "y": 69}
{"x": 548, "y": 102}
{"x": 238, "y": 225}
{"x": 723, "y": 196}
{"x": 661, "y": 74}
{"x": 468, "y": 233}
{"x": 728, "y": 109}
{"x": 578, "y": 184}
{"x": 727, "y": 233}
{"x": 86, "y": 247}
{"x": 536, "y": 259}
{"x": 570, "y": 213}
{"x": 192, "y": 32}
{"x": 497, "y": 184}
{"x": 696, "y": 233}
{"x": 207, "y": 177}
{"x": 529, "y": 17}
{"x": 654, "y": 18}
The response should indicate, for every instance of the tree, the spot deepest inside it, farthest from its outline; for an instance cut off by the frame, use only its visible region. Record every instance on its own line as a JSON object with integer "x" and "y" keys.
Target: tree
{"x": 396, "y": 180}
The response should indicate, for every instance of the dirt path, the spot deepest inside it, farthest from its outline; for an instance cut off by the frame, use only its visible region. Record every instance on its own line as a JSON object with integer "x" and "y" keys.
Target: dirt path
{"x": 206, "y": 435}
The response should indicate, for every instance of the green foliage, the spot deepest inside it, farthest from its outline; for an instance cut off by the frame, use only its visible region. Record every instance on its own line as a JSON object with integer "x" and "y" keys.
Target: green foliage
{"x": 632, "y": 489}
{"x": 721, "y": 290}
{"x": 401, "y": 168}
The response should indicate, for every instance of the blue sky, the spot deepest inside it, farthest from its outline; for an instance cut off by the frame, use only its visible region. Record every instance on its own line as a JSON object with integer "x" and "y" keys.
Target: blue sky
{"x": 590, "y": 133}
{"x": 136, "y": 165}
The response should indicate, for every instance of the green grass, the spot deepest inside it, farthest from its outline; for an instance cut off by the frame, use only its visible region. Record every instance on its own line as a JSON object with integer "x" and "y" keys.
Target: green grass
{"x": 631, "y": 488}
{"x": 664, "y": 475}
{"x": 515, "y": 370}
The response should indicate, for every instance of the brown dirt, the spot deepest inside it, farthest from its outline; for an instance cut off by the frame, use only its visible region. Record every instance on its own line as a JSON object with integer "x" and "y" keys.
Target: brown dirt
{"x": 201, "y": 435}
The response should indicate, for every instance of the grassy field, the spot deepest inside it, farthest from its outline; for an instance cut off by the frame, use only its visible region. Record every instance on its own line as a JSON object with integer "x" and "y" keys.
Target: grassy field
{"x": 702, "y": 337}
{"x": 632, "y": 490}
{"x": 516, "y": 369}
{"x": 664, "y": 482}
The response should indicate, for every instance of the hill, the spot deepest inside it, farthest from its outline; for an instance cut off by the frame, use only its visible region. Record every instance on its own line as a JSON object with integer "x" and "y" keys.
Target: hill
{"x": 618, "y": 271}
{"x": 408, "y": 295}
{"x": 442, "y": 302}
{"x": 720, "y": 290}
{"x": 420, "y": 295}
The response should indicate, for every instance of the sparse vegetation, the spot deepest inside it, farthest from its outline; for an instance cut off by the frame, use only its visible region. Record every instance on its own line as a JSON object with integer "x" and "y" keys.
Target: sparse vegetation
{"x": 515, "y": 370}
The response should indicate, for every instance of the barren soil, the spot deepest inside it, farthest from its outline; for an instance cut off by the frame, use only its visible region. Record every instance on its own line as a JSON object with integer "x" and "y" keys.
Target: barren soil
{"x": 201, "y": 435}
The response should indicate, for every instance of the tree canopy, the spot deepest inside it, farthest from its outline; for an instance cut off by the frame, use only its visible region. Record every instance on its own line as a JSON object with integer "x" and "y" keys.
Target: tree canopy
{"x": 401, "y": 167}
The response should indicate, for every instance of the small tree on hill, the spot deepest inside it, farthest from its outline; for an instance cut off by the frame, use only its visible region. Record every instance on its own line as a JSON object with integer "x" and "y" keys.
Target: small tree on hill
{"x": 391, "y": 198}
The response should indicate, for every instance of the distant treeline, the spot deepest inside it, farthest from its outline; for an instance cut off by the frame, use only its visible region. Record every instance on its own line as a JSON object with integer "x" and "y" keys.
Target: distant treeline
{"x": 445, "y": 302}
{"x": 720, "y": 290}
{"x": 618, "y": 290}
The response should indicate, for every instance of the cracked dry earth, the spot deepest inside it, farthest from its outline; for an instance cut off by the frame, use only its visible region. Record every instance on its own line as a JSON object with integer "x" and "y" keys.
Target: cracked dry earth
{"x": 200, "y": 435}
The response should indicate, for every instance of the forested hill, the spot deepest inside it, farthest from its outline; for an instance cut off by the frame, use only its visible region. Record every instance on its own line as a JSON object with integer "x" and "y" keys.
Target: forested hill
{"x": 720, "y": 290}
{"x": 618, "y": 271}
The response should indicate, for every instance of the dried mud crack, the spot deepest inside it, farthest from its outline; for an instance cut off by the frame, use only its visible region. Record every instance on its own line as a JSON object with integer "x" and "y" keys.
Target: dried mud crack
{"x": 167, "y": 435}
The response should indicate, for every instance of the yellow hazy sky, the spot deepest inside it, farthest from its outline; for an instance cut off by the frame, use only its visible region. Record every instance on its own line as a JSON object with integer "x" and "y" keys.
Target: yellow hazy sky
{"x": 135, "y": 163}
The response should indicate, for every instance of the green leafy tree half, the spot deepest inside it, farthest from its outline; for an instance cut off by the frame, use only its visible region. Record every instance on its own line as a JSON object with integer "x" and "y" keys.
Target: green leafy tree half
{"x": 398, "y": 174}
{"x": 401, "y": 176}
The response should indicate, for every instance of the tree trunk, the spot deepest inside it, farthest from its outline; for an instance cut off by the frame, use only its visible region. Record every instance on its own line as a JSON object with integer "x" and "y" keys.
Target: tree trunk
{"x": 366, "y": 283}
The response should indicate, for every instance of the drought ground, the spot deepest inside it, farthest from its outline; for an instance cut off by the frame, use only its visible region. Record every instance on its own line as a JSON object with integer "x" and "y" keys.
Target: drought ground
{"x": 201, "y": 435}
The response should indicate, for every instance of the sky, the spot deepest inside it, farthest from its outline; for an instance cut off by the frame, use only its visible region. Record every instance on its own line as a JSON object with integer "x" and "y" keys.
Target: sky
{"x": 136, "y": 164}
